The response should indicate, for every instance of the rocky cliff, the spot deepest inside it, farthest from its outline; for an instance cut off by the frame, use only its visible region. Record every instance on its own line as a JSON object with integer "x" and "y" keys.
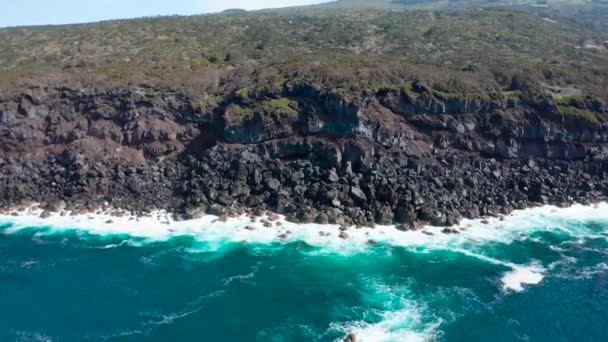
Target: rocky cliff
{"x": 403, "y": 153}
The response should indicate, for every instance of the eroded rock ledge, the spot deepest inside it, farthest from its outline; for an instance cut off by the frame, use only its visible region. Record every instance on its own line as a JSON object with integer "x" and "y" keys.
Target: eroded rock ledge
{"x": 405, "y": 154}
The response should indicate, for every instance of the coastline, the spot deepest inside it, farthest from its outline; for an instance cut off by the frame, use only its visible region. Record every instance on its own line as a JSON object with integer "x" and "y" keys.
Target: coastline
{"x": 273, "y": 228}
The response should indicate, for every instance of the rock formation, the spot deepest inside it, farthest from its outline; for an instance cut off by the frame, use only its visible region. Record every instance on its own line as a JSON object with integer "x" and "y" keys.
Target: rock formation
{"x": 404, "y": 154}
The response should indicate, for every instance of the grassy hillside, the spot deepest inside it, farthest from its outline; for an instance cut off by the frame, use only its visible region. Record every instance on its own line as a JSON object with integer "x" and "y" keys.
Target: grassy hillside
{"x": 471, "y": 49}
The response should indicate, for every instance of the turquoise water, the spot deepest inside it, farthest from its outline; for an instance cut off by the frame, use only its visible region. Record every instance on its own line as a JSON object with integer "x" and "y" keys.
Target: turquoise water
{"x": 70, "y": 285}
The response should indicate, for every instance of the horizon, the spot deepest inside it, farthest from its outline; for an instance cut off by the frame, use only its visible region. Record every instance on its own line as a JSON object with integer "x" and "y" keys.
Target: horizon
{"x": 66, "y": 12}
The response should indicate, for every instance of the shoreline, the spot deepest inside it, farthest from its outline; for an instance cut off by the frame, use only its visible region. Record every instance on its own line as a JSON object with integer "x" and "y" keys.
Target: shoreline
{"x": 213, "y": 233}
{"x": 162, "y": 224}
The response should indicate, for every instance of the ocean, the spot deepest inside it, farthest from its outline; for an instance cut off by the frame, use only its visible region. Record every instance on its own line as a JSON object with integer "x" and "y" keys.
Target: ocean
{"x": 537, "y": 275}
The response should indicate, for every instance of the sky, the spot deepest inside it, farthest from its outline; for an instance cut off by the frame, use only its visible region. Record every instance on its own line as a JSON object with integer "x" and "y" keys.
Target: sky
{"x": 53, "y": 12}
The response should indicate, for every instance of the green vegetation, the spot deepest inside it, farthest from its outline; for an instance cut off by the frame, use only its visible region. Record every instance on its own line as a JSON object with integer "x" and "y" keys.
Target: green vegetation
{"x": 570, "y": 100}
{"x": 409, "y": 89}
{"x": 579, "y": 106}
{"x": 414, "y": 90}
{"x": 453, "y": 49}
{"x": 207, "y": 102}
{"x": 579, "y": 113}
{"x": 259, "y": 90}
{"x": 445, "y": 96}
{"x": 283, "y": 105}
{"x": 265, "y": 111}
{"x": 236, "y": 115}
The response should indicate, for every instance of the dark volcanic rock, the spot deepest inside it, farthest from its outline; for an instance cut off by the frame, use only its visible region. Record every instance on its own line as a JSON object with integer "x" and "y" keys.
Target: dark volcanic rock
{"x": 54, "y": 205}
{"x": 350, "y": 338}
{"x": 358, "y": 194}
{"x": 340, "y": 158}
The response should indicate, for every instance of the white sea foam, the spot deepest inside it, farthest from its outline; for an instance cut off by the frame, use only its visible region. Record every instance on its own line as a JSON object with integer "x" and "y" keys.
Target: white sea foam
{"x": 520, "y": 275}
{"x": 159, "y": 226}
{"x": 402, "y": 319}
{"x": 393, "y": 327}
{"x": 215, "y": 234}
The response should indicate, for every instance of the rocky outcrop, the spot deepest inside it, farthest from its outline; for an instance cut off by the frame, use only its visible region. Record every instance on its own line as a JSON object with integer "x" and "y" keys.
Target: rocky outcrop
{"x": 405, "y": 155}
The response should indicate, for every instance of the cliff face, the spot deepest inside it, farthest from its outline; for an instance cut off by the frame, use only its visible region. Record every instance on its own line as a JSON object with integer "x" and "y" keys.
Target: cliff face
{"x": 401, "y": 154}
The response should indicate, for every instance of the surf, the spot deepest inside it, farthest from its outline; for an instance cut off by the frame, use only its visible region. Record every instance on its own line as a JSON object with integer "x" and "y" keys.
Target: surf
{"x": 381, "y": 284}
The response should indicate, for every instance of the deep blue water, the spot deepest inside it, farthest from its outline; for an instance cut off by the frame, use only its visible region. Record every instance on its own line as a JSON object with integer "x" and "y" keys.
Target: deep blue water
{"x": 74, "y": 286}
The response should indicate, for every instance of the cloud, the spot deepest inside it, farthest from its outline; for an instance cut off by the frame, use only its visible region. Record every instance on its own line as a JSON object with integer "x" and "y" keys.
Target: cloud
{"x": 220, "y": 5}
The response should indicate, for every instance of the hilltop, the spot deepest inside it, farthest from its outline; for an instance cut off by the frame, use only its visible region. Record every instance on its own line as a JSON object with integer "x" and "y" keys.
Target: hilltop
{"x": 488, "y": 46}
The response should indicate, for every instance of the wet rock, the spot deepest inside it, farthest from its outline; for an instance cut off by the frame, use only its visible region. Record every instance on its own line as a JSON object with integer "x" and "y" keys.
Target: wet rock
{"x": 54, "y": 205}
{"x": 118, "y": 213}
{"x": 216, "y": 210}
{"x": 433, "y": 216}
{"x": 322, "y": 219}
{"x": 384, "y": 215}
{"x": 350, "y": 338}
{"x": 223, "y": 218}
{"x": 45, "y": 214}
{"x": 196, "y": 212}
{"x": 448, "y": 230}
{"x": 343, "y": 235}
{"x": 412, "y": 226}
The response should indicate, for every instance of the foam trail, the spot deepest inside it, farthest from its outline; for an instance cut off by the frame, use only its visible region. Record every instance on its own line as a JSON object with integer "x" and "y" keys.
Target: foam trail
{"x": 244, "y": 278}
{"x": 519, "y": 274}
{"x": 581, "y": 273}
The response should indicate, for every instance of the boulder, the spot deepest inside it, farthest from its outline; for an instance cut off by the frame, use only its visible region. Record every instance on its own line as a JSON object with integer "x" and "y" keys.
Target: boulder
{"x": 322, "y": 218}
{"x": 54, "y": 205}
{"x": 358, "y": 194}
{"x": 273, "y": 184}
{"x": 333, "y": 176}
{"x": 195, "y": 212}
